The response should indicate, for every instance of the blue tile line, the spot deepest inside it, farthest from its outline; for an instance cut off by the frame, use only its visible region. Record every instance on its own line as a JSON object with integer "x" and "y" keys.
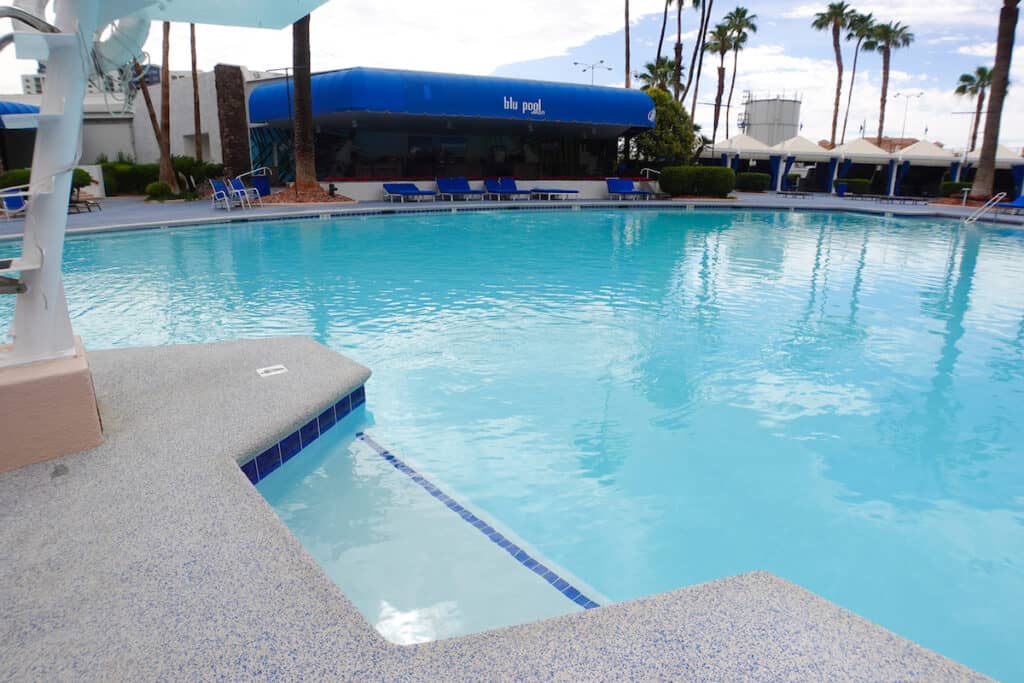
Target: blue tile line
{"x": 496, "y": 537}
{"x": 260, "y": 466}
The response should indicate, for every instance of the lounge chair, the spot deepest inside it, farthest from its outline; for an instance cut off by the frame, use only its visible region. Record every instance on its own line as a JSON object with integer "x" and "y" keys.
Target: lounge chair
{"x": 453, "y": 188}
{"x": 12, "y": 201}
{"x": 250, "y": 193}
{"x": 403, "y": 191}
{"x": 622, "y": 188}
{"x": 499, "y": 188}
{"x": 1014, "y": 206}
{"x": 543, "y": 192}
{"x": 225, "y": 196}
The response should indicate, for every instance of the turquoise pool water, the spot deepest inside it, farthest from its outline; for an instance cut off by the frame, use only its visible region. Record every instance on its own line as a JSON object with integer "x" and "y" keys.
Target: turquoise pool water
{"x": 655, "y": 399}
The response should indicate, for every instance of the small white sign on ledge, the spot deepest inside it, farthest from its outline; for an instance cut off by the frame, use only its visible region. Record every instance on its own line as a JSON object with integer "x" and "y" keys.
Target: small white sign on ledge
{"x": 271, "y": 370}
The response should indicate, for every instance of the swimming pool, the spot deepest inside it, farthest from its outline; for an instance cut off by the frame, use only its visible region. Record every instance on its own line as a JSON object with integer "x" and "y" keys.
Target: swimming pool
{"x": 653, "y": 399}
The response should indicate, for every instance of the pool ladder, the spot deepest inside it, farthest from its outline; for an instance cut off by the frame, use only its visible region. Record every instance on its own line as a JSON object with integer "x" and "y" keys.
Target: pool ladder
{"x": 985, "y": 208}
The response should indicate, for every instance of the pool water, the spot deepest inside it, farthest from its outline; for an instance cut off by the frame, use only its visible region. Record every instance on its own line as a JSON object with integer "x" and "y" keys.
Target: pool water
{"x": 653, "y": 399}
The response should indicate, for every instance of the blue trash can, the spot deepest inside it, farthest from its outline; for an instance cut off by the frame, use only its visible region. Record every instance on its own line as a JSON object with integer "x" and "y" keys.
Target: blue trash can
{"x": 840, "y": 189}
{"x": 262, "y": 184}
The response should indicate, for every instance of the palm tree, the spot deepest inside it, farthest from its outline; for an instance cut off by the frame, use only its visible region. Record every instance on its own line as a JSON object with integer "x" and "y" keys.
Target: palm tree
{"x": 627, "y": 43}
{"x": 884, "y": 39}
{"x": 305, "y": 161}
{"x": 861, "y": 27}
{"x": 975, "y": 85}
{"x": 739, "y": 23}
{"x": 985, "y": 177}
{"x": 167, "y": 173}
{"x": 664, "y": 24}
{"x": 195, "y": 96}
{"x": 719, "y": 42}
{"x": 677, "y": 79}
{"x": 657, "y": 74}
{"x": 835, "y": 18}
{"x": 706, "y": 13}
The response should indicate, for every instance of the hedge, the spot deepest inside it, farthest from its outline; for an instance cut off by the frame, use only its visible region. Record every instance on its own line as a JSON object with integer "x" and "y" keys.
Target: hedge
{"x": 753, "y": 182}
{"x": 22, "y": 176}
{"x": 952, "y": 187}
{"x": 124, "y": 178}
{"x": 699, "y": 181}
{"x": 856, "y": 185}
{"x": 159, "y": 190}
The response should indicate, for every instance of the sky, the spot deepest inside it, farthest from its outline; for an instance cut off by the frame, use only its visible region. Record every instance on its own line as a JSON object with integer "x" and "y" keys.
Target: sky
{"x": 541, "y": 39}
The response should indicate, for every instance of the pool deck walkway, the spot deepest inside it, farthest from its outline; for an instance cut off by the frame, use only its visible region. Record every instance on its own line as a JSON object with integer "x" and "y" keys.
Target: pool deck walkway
{"x": 125, "y": 213}
{"x": 153, "y": 557}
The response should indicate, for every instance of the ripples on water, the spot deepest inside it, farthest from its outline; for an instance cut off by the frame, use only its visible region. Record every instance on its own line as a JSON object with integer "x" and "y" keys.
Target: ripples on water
{"x": 658, "y": 399}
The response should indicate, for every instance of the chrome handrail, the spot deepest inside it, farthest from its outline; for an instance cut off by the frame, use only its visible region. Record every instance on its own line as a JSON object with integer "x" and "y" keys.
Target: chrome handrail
{"x": 985, "y": 208}
{"x": 646, "y": 172}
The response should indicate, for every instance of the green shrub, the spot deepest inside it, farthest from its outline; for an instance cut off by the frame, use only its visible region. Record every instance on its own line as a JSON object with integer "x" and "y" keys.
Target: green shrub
{"x": 159, "y": 190}
{"x": 855, "y": 185}
{"x": 699, "y": 181}
{"x": 80, "y": 178}
{"x": 124, "y": 178}
{"x": 952, "y": 188}
{"x": 753, "y": 182}
{"x": 16, "y": 176}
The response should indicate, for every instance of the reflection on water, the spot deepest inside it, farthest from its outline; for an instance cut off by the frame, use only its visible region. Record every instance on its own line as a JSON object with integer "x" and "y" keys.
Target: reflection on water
{"x": 656, "y": 399}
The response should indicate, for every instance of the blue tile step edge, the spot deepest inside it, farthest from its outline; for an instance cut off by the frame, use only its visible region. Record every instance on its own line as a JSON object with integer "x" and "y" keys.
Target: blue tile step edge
{"x": 519, "y": 554}
{"x": 263, "y": 464}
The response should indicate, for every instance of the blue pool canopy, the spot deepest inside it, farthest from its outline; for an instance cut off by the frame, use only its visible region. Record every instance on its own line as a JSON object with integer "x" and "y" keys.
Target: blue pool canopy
{"x": 15, "y": 108}
{"x": 418, "y": 93}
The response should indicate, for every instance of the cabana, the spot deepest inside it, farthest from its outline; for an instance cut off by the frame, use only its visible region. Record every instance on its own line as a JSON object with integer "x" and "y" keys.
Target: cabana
{"x": 922, "y": 166}
{"x": 1009, "y": 170}
{"x": 865, "y": 154}
{"x": 17, "y": 134}
{"x": 738, "y": 148}
{"x": 795, "y": 149}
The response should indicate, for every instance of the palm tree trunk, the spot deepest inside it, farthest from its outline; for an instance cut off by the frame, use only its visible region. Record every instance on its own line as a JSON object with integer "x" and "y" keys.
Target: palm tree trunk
{"x": 732, "y": 86}
{"x": 977, "y": 119}
{"x": 661, "y": 40}
{"x": 849, "y": 97}
{"x": 885, "y": 93}
{"x": 700, "y": 59}
{"x": 195, "y": 97}
{"x": 985, "y": 178}
{"x": 718, "y": 98}
{"x": 149, "y": 106}
{"x": 627, "y": 43}
{"x": 701, "y": 30}
{"x": 166, "y": 167}
{"x": 305, "y": 161}
{"x": 677, "y": 75}
{"x": 839, "y": 81}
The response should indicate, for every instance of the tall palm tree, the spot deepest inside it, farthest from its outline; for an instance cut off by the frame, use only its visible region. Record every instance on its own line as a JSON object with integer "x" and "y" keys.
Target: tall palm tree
{"x": 305, "y": 161}
{"x": 195, "y": 96}
{"x": 860, "y": 26}
{"x": 719, "y": 42}
{"x": 167, "y": 173}
{"x": 627, "y": 44}
{"x": 975, "y": 85}
{"x": 835, "y": 19}
{"x": 677, "y": 79}
{"x": 657, "y": 74}
{"x": 985, "y": 178}
{"x": 741, "y": 25}
{"x": 706, "y": 13}
{"x": 664, "y": 25}
{"x": 884, "y": 39}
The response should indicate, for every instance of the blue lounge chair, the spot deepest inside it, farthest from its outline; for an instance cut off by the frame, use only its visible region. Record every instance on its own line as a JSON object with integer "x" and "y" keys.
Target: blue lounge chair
{"x": 542, "y": 192}
{"x": 621, "y": 188}
{"x": 12, "y": 201}
{"x": 403, "y": 191}
{"x": 453, "y": 188}
{"x": 250, "y": 193}
{"x": 1014, "y": 206}
{"x": 499, "y": 188}
{"x": 222, "y": 194}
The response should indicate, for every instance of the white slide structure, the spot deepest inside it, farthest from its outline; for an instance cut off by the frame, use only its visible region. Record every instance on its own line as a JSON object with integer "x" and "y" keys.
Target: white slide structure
{"x": 87, "y": 38}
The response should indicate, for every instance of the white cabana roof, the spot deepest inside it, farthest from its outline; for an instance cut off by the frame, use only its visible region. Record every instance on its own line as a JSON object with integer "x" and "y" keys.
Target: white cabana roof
{"x": 802, "y": 148}
{"x": 924, "y": 153}
{"x": 745, "y": 146}
{"x": 862, "y": 150}
{"x": 1005, "y": 157}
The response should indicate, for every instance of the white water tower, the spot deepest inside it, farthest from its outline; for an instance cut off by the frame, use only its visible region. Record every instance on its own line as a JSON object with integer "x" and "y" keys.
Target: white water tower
{"x": 770, "y": 119}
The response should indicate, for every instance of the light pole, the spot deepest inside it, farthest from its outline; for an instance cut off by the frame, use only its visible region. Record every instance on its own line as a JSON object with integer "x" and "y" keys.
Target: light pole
{"x": 591, "y": 67}
{"x": 906, "y": 106}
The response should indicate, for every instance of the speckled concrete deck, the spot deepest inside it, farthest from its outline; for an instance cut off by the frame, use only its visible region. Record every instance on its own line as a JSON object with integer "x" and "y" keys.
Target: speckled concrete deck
{"x": 152, "y": 557}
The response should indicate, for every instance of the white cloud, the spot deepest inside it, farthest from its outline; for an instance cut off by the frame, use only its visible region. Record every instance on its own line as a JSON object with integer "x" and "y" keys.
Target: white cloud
{"x": 980, "y": 50}
{"x": 916, "y": 13}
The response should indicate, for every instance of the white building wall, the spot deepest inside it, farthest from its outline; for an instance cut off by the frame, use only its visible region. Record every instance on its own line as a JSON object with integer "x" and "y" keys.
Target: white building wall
{"x": 182, "y": 122}
{"x": 106, "y": 137}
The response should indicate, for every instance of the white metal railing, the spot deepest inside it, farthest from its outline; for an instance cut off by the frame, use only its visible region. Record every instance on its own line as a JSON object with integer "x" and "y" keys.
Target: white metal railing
{"x": 647, "y": 172}
{"x": 262, "y": 170}
{"x": 985, "y": 208}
